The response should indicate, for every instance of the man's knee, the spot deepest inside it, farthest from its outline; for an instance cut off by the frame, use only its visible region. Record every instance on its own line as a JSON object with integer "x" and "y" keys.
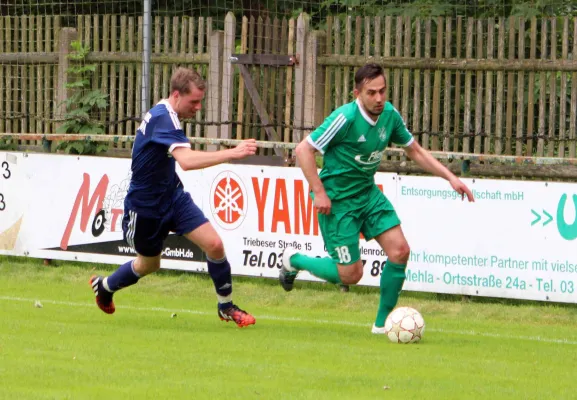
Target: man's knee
{"x": 214, "y": 248}
{"x": 400, "y": 254}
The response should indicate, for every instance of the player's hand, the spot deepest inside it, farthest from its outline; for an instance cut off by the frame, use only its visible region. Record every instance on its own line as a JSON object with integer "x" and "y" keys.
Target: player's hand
{"x": 244, "y": 149}
{"x": 462, "y": 189}
{"x": 322, "y": 203}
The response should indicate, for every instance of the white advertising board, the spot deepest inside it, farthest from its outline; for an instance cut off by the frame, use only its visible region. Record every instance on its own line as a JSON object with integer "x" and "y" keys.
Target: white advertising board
{"x": 516, "y": 241}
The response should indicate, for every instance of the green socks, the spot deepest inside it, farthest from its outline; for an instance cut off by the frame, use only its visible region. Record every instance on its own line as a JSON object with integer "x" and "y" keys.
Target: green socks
{"x": 392, "y": 280}
{"x": 324, "y": 268}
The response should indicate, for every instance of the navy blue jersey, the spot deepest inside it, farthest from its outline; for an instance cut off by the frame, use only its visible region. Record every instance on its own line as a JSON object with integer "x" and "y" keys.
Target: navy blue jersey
{"x": 154, "y": 181}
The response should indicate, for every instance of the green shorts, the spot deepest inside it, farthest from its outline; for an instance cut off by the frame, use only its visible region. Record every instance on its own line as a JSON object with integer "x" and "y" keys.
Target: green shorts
{"x": 370, "y": 214}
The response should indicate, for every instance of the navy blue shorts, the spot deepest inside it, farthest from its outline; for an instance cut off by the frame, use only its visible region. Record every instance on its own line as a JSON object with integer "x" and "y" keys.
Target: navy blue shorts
{"x": 147, "y": 234}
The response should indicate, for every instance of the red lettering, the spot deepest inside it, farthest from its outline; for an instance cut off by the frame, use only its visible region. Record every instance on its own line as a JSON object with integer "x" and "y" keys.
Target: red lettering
{"x": 280, "y": 213}
{"x": 303, "y": 212}
{"x": 116, "y": 212}
{"x": 260, "y": 197}
{"x": 87, "y": 206}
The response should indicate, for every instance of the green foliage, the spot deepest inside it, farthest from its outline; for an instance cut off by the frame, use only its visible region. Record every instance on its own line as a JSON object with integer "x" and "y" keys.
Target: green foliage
{"x": 81, "y": 104}
{"x": 7, "y": 143}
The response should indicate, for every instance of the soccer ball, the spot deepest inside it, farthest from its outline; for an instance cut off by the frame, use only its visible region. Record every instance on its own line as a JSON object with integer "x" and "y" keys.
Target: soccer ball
{"x": 404, "y": 325}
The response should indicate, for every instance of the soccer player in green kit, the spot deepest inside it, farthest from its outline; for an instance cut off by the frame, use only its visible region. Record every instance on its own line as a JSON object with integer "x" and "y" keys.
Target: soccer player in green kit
{"x": 352, "y": 141}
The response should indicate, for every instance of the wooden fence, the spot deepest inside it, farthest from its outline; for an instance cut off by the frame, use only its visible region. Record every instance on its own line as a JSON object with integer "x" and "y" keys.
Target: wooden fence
{"x": 487, "y": 86}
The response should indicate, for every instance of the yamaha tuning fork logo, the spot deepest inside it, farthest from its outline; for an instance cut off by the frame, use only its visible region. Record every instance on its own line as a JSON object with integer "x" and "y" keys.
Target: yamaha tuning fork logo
{"x": 228, "y": 200}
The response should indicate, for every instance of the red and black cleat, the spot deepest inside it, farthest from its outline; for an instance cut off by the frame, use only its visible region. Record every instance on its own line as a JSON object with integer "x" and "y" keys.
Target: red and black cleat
{"x": 240, "y": 317}
{"x": 103, "y": 296}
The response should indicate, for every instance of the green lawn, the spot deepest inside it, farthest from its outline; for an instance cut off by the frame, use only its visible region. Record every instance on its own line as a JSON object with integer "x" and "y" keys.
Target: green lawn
{"x": 312, "y": 343}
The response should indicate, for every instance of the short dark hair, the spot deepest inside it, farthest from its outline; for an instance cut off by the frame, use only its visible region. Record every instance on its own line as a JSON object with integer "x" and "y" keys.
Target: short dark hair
{"x": 182, "y": 78}
{"x": 368, "y": 72}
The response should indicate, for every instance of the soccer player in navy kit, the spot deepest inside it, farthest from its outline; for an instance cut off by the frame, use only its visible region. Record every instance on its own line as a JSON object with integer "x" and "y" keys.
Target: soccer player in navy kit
{"x": 156, "y": 202}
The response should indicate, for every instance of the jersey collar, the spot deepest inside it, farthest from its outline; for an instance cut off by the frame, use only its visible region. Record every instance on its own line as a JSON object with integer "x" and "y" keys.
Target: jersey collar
{"x": 365, "y": 115}
{"x": 165, "y": 103}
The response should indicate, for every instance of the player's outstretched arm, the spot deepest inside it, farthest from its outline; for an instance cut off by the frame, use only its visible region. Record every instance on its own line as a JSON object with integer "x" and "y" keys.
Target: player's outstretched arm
{"x": 193, "y": 159}
{"x": 305, "y": 154}
{"x": 430, "y": 164}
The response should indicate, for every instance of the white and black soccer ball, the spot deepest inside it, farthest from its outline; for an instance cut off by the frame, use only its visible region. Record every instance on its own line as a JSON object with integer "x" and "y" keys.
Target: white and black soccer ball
{"x": 405, "y": 325}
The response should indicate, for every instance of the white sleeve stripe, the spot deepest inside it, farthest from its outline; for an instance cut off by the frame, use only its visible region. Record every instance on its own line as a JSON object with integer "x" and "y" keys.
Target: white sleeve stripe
{"x": 331, "y": 131}
{"x": 316, "y": 146}
{"x": 406, "y": 144}
{"x": 175, "y": 120}
{"x": 175, "y": 145}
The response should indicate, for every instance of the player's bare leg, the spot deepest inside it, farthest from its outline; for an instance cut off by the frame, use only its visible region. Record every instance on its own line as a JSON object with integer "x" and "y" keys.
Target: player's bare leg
{"x": 219, "y": 269}
{"x": 395, "y": 245}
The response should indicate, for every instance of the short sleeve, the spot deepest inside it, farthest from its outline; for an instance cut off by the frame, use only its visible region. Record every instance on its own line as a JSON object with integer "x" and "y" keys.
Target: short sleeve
{"x": 167, "y": 131}
{"x": 400, "y": 135}
{"x": 330, "y": 131}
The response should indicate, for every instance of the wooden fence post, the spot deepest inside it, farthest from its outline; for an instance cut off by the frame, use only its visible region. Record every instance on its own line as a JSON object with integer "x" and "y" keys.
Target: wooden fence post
{"x": 227, "y": 75}
{"x": 214, "y": 86}
{"x": 314, "y": 99}
{"x": 301, "y": 42}
{"x": 67, "y": 36}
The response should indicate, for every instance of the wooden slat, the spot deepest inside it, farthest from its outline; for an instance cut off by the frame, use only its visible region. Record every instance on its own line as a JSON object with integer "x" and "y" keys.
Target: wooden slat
{"x": 489, "y": 88}
{"x": 114, "y": 128}
{"x": 267, "y": 85}
{"x": 190, "y": 48}
{"x": 387, "y": 51}
{"x": 39, "y": 75}
{"x": 398, "y": 53}
{"x": 328, "y": 73}
{"x": 427, "y": 89}
{"x": 531, "y": 91}
{"x": 520, "y": 90}
{"x": 3, "y": 114}
{"x": 166, "y": 49}
{"x": 49, "y": 74}
{"x": 276, "y": 91}
{"x": 122, "y": 77}
{"x": 542, "y": 91}
{"x": 130, "y": 92}
{"x": 573, "y": 113}
{"x": 457, "y": 113}
{"x": 377, "y": 37}
{"x": 9, "y": 74}
{"x": 499, "y": 90}
{"x": 563, "y": 89}
{"x": 96, "y": 47}
{"x": 467, "y": 128}
{"x": 347, "y": 51}
{"x": 241, "y": 90}
{"x": 479, "y": 91}
{"x": 551, "y": 145}
{"x": 13, "y": 82}
{"x": 447, "y": 91}
{"x": 248, "y": 110}
{"x": 435, "y": 124}
{"x": 406, "y": 72}
{"x": 289, "y": 86}
{"x": 256, "y": 72}
{"x": 138, "y": 79}
{"x": 199, "y": 131}
{"x": 156, "y": 67}
{"x": 367, "y": 35}
{"x": 23, "y": 109}
{"x": 31, "y": 75}
{"x": 416, "y": 126}
{"x": 104, "y": 83}
{"x": 338, "y": 73}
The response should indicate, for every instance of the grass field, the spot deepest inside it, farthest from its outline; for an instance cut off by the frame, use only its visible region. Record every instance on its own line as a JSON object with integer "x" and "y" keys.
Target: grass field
{"x": 312, "y": 343}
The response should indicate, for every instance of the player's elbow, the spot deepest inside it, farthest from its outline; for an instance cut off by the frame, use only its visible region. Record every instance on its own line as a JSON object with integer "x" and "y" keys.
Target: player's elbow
{"x": 303, "y": 149}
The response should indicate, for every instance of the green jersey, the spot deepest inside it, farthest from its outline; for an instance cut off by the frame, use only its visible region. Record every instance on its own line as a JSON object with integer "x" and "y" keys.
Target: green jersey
{"x": 353, "y": 144}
